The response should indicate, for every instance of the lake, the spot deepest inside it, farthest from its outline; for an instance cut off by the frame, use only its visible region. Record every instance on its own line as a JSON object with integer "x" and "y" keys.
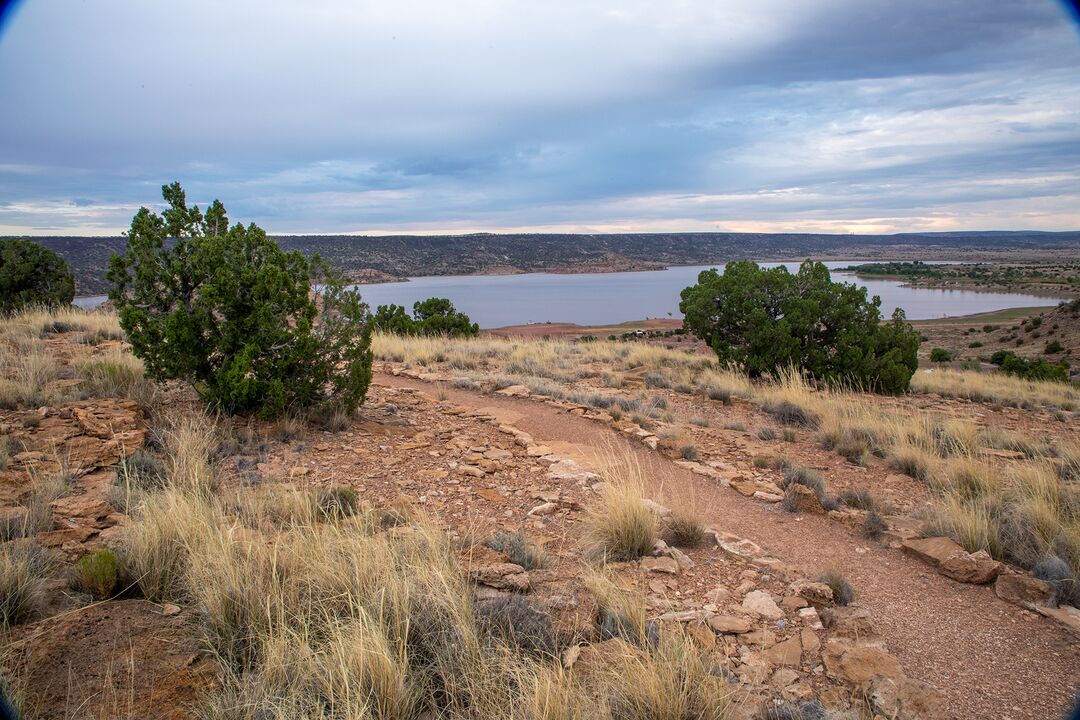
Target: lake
{"x": 608, "y": 298}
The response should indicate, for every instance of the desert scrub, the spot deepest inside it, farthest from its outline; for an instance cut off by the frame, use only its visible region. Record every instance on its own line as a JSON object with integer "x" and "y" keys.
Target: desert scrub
{"x": 843, "y": 593}
{"x": 519, "y": 550}
{"x": 767, "y": 433}
{"x": 874, "y": 526}
{"x": 335, "y": 503}
{"x": 97, "y": 573}
{"x": 799, "y": 475}
{"x": 23, "y": 569}
{"x": 996, "y": 388}
{"x": 45, "y": 486}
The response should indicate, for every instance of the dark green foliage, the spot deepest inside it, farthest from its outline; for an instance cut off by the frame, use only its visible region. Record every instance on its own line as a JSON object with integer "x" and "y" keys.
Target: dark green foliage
{"x": 434, "y": 316}
{"x": 1052, "y": 347}
{"x": 98, "y": 573}
{"x": 33, "y": 275}
{"x": 1055, "y": 571}
{"x": 228, "y": 311}
{"x": 768, "y": 320}
{"x": 940, "y": 354}
{"x": 1037, "y": 369}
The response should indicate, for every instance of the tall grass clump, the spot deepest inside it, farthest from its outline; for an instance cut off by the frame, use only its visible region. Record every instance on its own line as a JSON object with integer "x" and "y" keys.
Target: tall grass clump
{"x": 114, "y": 373}
{"x": 622, "y": 527}
{"x": 996, "y": 388}
{"x": 190, "y": 441}
{"x": 23, "y": 567}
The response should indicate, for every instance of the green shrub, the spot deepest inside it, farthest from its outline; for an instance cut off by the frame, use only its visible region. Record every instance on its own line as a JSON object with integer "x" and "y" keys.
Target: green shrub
{"x": 227, "y": 310}
{"x": 940, "y": 354}
{"x": 1037, "y": 369}
{"x": 1053, "y": 347}
{"x": 434, "y": 316}
{"x": 768, "y": 320}
{"x": 98, "y": 573}
{"x": 33, "y": 275}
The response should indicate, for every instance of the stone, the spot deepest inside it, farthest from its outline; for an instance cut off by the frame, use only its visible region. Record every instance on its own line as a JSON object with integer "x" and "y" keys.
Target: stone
{"x": 1066, "y": 615}
{"x": 490, "y": 495}
{"x": 804, "y": 500}
{"x": 783, "y": 677}
{"x": 858, "y": 665}
{"x": 851, "y": 622}
{"x": 298, "y": 471}
{"x": 680, "y": 557}
{"x": 729, "y": 624}
{"x": 702, "y": 635}
{"x": 537, "y": 450}
{"x": 787, "y": 652}
{"x": 754, "y": 670}
{"x": 543, "y": 509}
{"x": 797, "y": 693}
{"x": 810, "y": 641}
{"x": 767, "y": 496}
{"x": 660, "y": 565}
{"x": 81, "y": 506}
{"x": 905, "y": 699}
{"x": 793, "y": 602}
{"x": 816, "y": 593}
{"x": 718, "y": 595}
{"x": 761, "y": 603}
{"x": 514, "y": 391}
{"x": 810, "y": 618}
{"x": 977, "y": 568}
{"x": 471, "y": 471}
{"x": 168, "y": 609}
{"x": 501, "y": 576}
{"x": 932, "y": 550}
{"x": 1022, "y": 589}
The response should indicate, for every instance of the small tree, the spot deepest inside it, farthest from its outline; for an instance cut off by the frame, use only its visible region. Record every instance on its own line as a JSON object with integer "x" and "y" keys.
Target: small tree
{"x": 769, "y": 319}
{"x": 940, "y": 355}
{"x": 434, "y": 316}
{"x": 227, "y": 310}
{"x": 33, "y": 275}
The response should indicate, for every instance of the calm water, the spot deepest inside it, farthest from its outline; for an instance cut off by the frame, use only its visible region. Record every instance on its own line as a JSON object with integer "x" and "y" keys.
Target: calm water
{"x": 604, "y": 298}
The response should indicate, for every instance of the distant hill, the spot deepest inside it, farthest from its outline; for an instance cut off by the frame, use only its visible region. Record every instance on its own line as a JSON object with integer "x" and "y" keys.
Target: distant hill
{"x": 413, "y": 255}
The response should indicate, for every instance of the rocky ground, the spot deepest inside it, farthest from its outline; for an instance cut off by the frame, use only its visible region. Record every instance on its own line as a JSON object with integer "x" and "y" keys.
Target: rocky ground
{"x": 934, "y": 632}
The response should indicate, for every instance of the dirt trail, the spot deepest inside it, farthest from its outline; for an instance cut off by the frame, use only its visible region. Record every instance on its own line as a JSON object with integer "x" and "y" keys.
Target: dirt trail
{"x": 990, "y": 659}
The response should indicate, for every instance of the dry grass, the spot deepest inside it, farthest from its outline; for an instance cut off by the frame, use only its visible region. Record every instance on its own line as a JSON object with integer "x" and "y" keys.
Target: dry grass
{"x": 23, "y": 569}
{"x": 622, "y": 527}
{"x": 995, "y": 387}
{"x": 115, "y": 373}
{"x": 190, "y": 442}
{"x": 25, "y": 373}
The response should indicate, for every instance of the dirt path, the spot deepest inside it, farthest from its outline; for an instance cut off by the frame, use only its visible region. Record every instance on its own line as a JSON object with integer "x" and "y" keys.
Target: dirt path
{"x": 989, "y": 658}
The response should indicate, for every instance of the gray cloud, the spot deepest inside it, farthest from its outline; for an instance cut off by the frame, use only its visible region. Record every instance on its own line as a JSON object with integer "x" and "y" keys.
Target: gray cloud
{"x": 342, "y": 116}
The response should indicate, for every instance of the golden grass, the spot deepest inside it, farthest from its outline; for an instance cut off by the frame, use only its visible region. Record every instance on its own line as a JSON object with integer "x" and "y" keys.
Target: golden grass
{"x": 622, "y": 527}
{"x": 114, "y": 373}
{"x": 36, "y": 322}
{"x": 995, "y": 387}
{"x": 23, "y": 566}
{"x": 190, "y": 441}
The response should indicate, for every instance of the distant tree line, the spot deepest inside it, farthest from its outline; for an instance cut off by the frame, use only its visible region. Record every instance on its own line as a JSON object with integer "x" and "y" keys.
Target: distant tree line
{"x": 434, "y": 316}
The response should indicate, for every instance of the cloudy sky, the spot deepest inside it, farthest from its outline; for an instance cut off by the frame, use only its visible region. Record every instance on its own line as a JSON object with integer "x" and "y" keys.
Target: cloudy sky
{"x": 578, "y": 115}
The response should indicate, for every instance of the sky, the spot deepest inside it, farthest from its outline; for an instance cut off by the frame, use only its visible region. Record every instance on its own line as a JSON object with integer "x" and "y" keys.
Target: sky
{"x": 428, "y": 116}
